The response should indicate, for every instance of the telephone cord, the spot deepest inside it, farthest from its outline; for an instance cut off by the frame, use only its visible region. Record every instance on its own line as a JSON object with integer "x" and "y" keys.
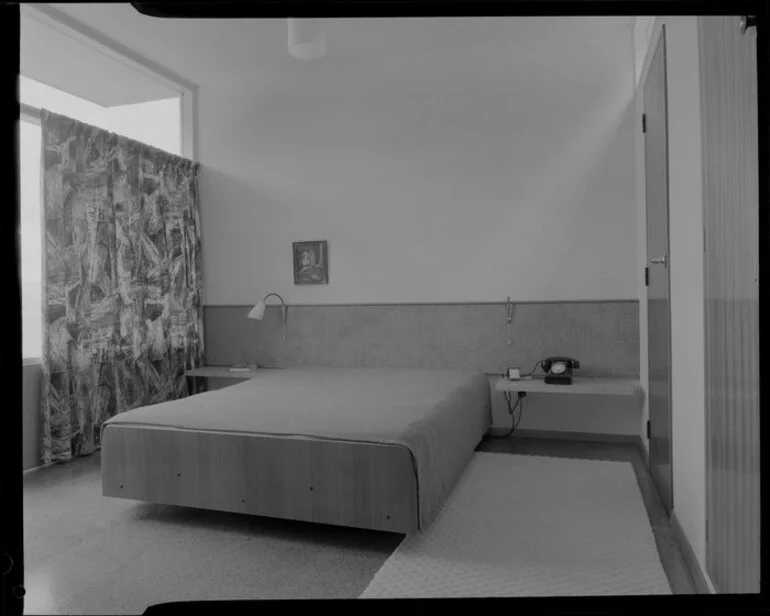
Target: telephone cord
{"x": 511, "y": 410}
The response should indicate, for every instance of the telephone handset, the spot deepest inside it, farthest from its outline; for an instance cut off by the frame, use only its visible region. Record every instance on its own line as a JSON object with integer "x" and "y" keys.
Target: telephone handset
{"x": 559, "y": 370}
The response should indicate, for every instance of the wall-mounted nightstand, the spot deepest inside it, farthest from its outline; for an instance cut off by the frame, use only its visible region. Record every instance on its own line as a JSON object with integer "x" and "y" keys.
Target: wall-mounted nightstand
{"x": 580, "y": 385}
{"x": 198, "y": 376}
{"x": 515, "y": 391}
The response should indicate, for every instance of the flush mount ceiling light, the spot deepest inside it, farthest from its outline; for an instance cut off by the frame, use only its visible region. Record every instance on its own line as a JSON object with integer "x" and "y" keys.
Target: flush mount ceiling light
{"x": 307, "y": 40}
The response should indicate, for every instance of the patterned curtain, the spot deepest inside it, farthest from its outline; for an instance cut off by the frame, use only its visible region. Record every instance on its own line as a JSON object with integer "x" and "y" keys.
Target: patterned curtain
{"x": 122, "y": 282}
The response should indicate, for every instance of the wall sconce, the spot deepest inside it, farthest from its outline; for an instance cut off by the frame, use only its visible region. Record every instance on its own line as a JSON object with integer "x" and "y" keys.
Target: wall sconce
{"x": 258, "y": 311}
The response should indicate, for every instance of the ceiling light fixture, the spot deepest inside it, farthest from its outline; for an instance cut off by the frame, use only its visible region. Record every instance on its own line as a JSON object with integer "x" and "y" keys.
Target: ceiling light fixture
{"x": 307, "y": 40}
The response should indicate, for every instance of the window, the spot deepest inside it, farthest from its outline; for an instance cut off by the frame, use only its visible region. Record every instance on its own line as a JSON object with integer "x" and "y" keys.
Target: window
{"x": 31, "y": 240}
{"x": 155, "y": 123}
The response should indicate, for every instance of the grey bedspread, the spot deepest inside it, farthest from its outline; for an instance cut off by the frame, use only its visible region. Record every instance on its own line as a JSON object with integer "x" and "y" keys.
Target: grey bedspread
{"x": 438, "y": 415}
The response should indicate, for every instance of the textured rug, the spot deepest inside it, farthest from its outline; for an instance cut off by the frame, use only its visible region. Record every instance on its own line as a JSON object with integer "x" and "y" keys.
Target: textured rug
{"x": 531, "y": 526}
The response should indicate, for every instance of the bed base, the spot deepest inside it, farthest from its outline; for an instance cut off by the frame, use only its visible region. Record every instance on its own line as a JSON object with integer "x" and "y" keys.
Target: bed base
{"x": 344, "y": 483}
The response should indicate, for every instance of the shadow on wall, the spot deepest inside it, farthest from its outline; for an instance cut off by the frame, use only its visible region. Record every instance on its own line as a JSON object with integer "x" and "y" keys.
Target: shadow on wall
{"x": 605, "y": 172}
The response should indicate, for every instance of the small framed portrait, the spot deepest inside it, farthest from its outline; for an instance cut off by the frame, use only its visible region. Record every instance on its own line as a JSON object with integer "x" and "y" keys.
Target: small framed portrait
{"x": 311, "y": 263}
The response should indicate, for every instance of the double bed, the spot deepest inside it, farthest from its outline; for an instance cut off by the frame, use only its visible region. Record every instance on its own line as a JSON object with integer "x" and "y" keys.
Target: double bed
{"x": 361, "y": 447}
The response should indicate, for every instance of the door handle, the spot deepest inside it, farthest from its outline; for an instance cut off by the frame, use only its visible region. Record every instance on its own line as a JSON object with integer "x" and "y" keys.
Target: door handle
{"x": 660, "y": 260}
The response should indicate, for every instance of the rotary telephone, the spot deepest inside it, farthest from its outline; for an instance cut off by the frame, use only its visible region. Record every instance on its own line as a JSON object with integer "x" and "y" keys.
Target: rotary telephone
{"x": 559, "y": 370}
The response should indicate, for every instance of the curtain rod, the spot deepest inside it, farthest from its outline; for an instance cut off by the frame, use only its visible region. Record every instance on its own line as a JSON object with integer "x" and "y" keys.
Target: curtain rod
{"x": 30, "y": 112}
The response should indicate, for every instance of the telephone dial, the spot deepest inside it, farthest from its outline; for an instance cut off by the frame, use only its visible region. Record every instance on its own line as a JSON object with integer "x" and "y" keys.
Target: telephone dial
{"x": 559, "y": 370}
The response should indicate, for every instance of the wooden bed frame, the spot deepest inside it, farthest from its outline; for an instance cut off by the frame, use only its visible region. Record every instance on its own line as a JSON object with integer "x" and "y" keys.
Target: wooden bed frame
{"x": 345, "y": 483}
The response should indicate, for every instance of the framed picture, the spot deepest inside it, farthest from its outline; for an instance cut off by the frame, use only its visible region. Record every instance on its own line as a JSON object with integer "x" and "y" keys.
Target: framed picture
{"x": 311, "y": 263}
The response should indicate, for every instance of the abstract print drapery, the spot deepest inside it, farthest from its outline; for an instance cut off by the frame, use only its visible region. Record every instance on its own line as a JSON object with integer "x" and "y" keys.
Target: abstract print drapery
{"x": 121, "y": 280}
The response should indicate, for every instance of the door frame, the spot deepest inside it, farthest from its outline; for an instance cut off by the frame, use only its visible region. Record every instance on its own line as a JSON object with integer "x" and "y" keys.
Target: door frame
{"x": 658, "y": 38}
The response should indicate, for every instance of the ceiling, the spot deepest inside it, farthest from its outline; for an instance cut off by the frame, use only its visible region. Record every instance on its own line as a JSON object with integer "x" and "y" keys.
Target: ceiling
{"x": 233, "y": 51}
{"x": 50, "y": 56}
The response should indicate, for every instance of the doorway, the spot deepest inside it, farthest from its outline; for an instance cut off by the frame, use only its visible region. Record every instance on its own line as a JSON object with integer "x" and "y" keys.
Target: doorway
{"x": 657, "y": 274}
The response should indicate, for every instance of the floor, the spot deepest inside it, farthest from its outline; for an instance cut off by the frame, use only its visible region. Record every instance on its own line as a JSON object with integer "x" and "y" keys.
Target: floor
{"x": 85, "y": 553}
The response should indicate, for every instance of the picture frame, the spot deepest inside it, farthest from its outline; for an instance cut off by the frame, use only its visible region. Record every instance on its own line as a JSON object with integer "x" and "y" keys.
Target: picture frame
{"x": 311, "y": 262}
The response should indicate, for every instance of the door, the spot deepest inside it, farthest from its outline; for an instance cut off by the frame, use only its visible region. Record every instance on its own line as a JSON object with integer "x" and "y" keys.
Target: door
{"x": 728, "y": 77}
{"x": 658, "y": 305}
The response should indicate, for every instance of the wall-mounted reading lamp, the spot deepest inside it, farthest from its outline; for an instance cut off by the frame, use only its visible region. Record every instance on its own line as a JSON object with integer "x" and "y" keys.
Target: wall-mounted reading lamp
{"x": 259, "y": 310}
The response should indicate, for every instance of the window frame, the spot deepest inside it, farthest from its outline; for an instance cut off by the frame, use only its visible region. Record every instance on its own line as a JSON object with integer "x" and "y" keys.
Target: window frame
{"x": 188, "y": 91}
{"x": 99, "y": 43}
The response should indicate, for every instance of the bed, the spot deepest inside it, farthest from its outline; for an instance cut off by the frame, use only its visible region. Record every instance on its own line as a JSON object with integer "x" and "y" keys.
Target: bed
{"x": 360, "y": 447}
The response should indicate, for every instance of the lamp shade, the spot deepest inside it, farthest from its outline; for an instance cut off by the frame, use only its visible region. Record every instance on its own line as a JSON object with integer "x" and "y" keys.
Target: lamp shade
{"x": 258, "y": 311}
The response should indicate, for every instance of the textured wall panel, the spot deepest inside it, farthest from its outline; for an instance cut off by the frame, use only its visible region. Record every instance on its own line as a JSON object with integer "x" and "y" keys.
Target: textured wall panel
{"x": 730, "y": 191}
{"x": 604, "y": 336}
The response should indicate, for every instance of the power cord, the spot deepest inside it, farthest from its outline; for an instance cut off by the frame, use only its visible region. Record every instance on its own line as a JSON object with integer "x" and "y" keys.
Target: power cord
{"x": 511, "y": 409}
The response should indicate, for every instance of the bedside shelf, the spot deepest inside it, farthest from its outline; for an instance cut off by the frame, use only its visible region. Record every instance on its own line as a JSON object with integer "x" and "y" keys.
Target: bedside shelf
{"x": 580, "y": 385}
{"x": 223, "y": 372}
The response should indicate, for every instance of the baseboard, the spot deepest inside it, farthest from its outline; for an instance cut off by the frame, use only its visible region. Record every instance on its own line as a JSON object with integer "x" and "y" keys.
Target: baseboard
{"x": 37, "y": 468}
{"x": 696, "y": 573}
{"x": 593, "y": 437}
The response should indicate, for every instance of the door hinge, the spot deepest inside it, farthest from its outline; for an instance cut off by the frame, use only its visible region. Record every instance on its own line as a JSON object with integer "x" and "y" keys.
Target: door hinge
{"x": 648, "y": 429}
{"x": 646, "y": 276}
{"x": 644, "y": 122}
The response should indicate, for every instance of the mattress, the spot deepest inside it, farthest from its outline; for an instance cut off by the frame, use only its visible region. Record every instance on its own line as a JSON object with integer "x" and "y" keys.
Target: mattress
{"x": 438, "y": 415}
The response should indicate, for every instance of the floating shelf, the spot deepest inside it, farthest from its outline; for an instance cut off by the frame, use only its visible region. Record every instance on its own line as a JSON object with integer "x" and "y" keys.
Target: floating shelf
{"x": 580, "y": 385}
{"x": 223, "y": 372}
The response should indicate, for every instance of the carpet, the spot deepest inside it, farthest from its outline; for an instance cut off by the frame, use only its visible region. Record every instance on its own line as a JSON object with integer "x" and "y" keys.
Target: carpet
{"x": 517, "y": 526}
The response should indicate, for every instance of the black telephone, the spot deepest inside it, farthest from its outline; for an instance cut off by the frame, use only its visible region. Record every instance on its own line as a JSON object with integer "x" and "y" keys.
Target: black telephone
{"x": 559, "y": 370}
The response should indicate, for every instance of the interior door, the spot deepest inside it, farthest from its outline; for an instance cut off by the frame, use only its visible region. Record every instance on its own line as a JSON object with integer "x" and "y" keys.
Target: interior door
{"x": 658, "y": 305}
{"x": 729, "y": 106}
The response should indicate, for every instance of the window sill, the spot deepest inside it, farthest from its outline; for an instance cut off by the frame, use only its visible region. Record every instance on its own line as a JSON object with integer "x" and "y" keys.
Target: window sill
{"x": 32, "y": 361}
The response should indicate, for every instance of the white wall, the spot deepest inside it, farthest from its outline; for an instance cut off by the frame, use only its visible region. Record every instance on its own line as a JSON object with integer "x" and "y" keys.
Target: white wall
{"x": 642, "y": 31}
{"x": 446, "y": 178}
{"x": 686, "y": 271}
